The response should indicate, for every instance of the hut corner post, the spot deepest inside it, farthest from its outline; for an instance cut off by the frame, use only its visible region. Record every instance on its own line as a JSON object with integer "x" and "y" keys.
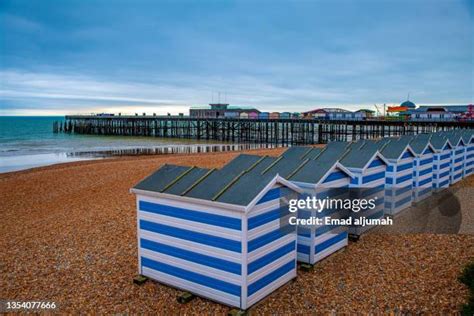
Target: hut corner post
{"x": 244, "y": 294}
{"x": 138, "y": 235}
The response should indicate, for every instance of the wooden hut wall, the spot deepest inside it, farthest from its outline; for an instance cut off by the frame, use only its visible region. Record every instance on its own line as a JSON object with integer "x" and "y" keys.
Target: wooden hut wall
{"x": 191, "y": 247}
{"x": 317, "y": 242}
{"x": 270, "y": 248}
{"x": 442, "y": 167}
{"x": 399, "y": 183}
{"x": 423, "y": 175}
{"x": 469, "y": 160}
{"x": 457, "y": 162}
{"x": 327, "y": 239}
{"x": 370, "y": 183}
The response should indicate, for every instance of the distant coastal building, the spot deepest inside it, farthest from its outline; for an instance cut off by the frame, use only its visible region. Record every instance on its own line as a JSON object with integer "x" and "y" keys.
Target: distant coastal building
{"x": 328, "y": 113}
{"x": 400, "y": 112}
{"x": 220, "y": 110}
{"x": 441, "y": 112}
{"x": 338, "y": 114}
{"x": 406, "y": 111}
{"x": 363, "y": 114}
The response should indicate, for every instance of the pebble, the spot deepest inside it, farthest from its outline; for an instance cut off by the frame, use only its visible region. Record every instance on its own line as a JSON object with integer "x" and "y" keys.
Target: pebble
{"x": 68, "y": 234}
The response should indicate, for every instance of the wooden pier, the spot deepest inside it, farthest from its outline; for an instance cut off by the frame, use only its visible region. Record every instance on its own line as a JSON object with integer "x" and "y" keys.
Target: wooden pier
{"x": 272, "y": 131}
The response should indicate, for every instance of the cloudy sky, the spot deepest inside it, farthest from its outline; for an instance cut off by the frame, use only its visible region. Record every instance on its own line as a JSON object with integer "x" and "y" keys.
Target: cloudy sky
{"x": 60, "y": 57}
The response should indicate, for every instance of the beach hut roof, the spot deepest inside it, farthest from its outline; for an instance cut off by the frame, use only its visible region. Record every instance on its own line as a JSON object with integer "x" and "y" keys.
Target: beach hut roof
{"x": 246, "y": 186}
{"x": 185, "y": 180}
{"x": 467, "y": 135}
{"x": 420, "y": 143}
{"x": 332, "y": 152}
{"x": 282, "y": 166}
{"x": 293, "y": 168}
{"x": 157, "y": 181}
{"x": 210, "y": 186}
{"x": 313, "y": 171}
{"x": 360, "y": 154}
{"x": 350, "y": 154}
{"x": 439, "y": 141}
{"x": 393, "y": 148}
{"x": 455, "y": 138}
{"x": 314, "y": 153}
{"x": 296, "y": 152}
{"x": 238, "y": 183}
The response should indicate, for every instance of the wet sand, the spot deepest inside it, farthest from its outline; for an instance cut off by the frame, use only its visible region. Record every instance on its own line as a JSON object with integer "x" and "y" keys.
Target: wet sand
{"x": 68, "y": 234}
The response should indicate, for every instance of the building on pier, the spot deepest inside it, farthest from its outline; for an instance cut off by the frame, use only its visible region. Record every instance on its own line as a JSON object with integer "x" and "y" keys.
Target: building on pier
{"x": 221, "y": 110}
{"x": 441, "y": 113}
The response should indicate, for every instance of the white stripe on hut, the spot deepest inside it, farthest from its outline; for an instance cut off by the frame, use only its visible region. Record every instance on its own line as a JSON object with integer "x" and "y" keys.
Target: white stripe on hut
{"x": 369, "y": 166}
{"x": 468, "y": 137}
{"x": 458, "y": 155}
{"x": 422, "y": 166}
{"x": 441, "y": 161}
{"x": 399, "y": 175}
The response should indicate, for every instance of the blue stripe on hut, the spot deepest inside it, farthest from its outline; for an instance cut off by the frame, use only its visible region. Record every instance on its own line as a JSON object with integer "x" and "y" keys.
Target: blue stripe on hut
{"x": 441, "y": 161}
{"x": 364, "y": 160}
{"x": 216, "y": 233}
{"x": 322, "y": 179}
{"x": 422, "y": 166}
{"x": 458, "y": 155}
{"x": 399, "y": 175}
{"x": 468, "y": 137}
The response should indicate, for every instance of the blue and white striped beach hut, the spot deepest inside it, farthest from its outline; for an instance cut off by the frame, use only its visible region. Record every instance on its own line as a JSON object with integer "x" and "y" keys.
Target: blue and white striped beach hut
{"x": 422, "y": 166}
{"x": 468, "y": 137}
{"x": 458, "y": 156}
{"x": 369, "y": 167}
{"x": 319, "y": 179}
{"x": 320, "y": 176}
{"x": 216, "y": 233}
{"x": 441, "y": 161}
{"x": 399, "y": 175}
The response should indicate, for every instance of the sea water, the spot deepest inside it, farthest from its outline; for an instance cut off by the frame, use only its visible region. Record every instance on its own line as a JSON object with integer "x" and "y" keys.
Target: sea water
{"x": 27, "y": 142}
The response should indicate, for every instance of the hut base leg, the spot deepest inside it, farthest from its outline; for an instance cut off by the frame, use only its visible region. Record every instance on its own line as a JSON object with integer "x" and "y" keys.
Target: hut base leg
{"x": 140, "y": 279}
{"x": 237, "y": 312}
{"x": 306, "y": 266}
{"x": 185, "y": 297}
{"x": 354, "y": 237}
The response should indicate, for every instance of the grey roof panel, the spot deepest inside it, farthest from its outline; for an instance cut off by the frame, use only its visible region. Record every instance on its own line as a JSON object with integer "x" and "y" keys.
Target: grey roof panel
{"x": 218, "y": 179}
{"x": 245, "y": 187}
{"x": 393, "y": 148}
{"x": 359, "y": 154}
{"x": 419, "y": 142}
{"x": 454, "y": 138}
{"x": 240, "y": 163}
{"x": 314, "y": 153}
{"x": 333, "y": 152}
{"x": 312, "y": 171}
{"x": 186, "y": 181}
{"x": 159, "y": 179}
{"x": 466, "y": 136}
{"x": 438, "y": 141}
{"x": 296, "y": 152}
{"x": 209, "y": 186}
{"x": 283, "y": 167}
